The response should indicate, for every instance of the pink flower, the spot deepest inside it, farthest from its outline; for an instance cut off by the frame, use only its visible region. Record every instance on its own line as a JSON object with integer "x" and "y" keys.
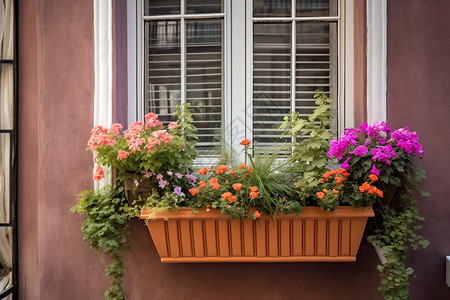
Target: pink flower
{"x": 122, "y": 154}
{"x": 151, "y": 120}
{"x": 133, "y": 131}
{"x": 163, "y": 136}
{"x": 115, "y": 128}
{"x": 98, "y": 173}
{"x": 173, "y": 125}
{"x": 147, "y": 174}
{"x": 99, "y": 137}
{"x": 134, "y": 144}
{"x": 151, "y": 144}
{"x": 136, "y": 183}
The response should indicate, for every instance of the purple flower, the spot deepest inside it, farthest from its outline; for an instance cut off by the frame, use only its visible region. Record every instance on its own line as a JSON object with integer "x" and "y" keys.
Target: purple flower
{"x": 407, "y": 141}
{"x": 337, "y": 148}
{"x": 383, "y": 154}
{"x": 162, "y": 183}
{"x": 345, "y": 164}
{"x": 179, "y": 175}
{"x": 191, "y": 178}
{"x": 177, "y": 190}
{"x": 360, "y": 150}
{"x": 375, "y": 171}
{"x": 159, "y": 176}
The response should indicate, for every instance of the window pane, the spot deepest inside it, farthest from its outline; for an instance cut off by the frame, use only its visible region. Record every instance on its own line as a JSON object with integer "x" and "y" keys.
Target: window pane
{"x": 163, "y": 68}
{"x": 6, "y": 96}
{"x": 204, "y": 7}
{"x": 316, "y": 63}
{"x": 316, "y": 8}
{"x": 6, "y": 259}
{"x": 204, "y": 80}
{"x": 271, "y": 80}
{"x": 5, "y": 175}
{"x": 271, "y": 8}
{"x": 162, "y": 7}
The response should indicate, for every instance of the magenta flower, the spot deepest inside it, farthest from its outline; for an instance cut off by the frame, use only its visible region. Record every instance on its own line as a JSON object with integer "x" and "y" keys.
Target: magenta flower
{"x": 345, "y": 164}
{"x": 375, "y": 171}
{"x": 360, "y": 150}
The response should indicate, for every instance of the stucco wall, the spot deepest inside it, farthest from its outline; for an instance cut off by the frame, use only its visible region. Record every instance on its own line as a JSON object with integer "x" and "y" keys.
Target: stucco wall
{"x": 56, "y": 108}
{"x": 417, "y": 96}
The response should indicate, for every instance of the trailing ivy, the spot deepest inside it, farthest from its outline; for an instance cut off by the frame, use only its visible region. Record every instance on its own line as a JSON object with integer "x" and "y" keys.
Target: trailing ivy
{"x": 106, "y": 227}
{"x": 397, "y": 233}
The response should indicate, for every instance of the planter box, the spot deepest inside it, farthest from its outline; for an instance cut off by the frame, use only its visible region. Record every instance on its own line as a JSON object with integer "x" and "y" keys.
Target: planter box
{"x": 314, "y": 236}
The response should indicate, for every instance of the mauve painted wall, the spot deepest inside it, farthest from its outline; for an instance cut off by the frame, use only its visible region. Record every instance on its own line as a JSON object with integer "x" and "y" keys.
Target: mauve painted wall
{"x": 418, "y": 73}
{"x": 56, "y": 108}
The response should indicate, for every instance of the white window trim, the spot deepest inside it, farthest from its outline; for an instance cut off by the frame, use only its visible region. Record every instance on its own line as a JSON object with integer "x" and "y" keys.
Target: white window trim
{"x": 103, "y": 112}
{"x": 376, "y": 60}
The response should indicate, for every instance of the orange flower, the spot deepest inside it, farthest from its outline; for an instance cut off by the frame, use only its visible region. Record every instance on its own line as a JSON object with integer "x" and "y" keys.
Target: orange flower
{"x": 254, "y": 189}
{"x": 325, "y": 191}
{"x": 221, "y": 169}
{"x": 226, "y": 195}
{"x": 373, "y": 177}
{"x": 202, "y": 171}
{"x": 202, "y": 184}
{"x": 194, "y": 191}
{"x": 335, "y": 191}
{"x": 237, "y": 186}
{"x": 245, "y": 142}
{"x": 364, "y": 187}
{"x": 231, "y": 199}
{"x": 254, "y": 194}
{"x": 257, "y": 214}
{"x": 243, "y": 166}
{"x": 338, "y": 179}
{"x": 320, "y": 195}
{"x": 216, "y": 186}
{"x": 321, "y": 180}
{"x": 213, "y": 181}
{"x": 232, "y": 172}
{"x": 250, "y": 169}
{"x": 346, "y": 174}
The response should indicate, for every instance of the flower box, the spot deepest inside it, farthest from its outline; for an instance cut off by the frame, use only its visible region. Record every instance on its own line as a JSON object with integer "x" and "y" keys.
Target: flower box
{"x": 313, "y": 236}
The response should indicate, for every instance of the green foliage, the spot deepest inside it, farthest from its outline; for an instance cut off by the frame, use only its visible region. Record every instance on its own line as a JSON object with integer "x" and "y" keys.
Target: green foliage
{"x": 398, "y": 232}
{"x": 310, "y": 142}
{"x": 106, "y": 227}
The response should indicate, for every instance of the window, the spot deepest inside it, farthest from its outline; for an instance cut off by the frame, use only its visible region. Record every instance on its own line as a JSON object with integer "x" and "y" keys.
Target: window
{"x": 242, "y": 65}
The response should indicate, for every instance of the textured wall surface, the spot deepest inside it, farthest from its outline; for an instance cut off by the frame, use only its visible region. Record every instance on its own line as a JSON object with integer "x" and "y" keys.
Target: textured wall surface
{"x": 56, "y": 108}
{"x": 417, "y": 90}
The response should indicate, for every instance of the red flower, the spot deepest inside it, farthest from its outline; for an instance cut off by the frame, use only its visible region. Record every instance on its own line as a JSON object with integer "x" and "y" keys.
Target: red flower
{"x": 257, "y": 214}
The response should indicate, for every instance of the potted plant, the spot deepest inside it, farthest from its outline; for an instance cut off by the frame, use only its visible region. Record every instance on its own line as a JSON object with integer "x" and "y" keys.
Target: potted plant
{"x": 388, "y": 155}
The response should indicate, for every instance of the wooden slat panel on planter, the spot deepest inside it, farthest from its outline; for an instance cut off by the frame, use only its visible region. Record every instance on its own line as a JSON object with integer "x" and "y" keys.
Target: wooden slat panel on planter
{"x": 210, "y": 237}
{"x": 297, "y": 240}
{"x": 248, "y": 234}
{"x": 172, "y": 230}
{"x": 236, "y": 247}
{"x": 333, "y": 238}
{"x": 211, "y": 241}
{"x": 285, "y": 238}
{"x": 261, "y": 238}
{"x": 197, "y": 237}
{"x": 309, "y": 237}
{"x": 223, "y": 237}
{"x": 345, "y": 237}
{"x": 321, "y": 237}
{"x": 272, "y": 239}
{"x": 186, "y": 238}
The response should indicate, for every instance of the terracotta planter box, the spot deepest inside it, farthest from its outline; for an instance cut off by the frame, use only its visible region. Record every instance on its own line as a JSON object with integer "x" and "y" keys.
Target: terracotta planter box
{"x": 315, "y": 236}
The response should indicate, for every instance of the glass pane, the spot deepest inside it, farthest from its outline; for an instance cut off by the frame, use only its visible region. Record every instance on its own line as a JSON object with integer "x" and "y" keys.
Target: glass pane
{"x": 204, "y": 7}
{"x": 316, "y": 63}
{"x": 6, "y": 259}
{"x": 272, "y": 8}
{"x": 162, "y": 68}
{"x": 5, "y": 174}
{"x": 316, "y": 8}
{"x": 6, "y": 96}
{"x": 7, "y": 32}
{"x": 162, "y": 7}
{"x": 271, "y": 80}
{"x": 204, "y": 80}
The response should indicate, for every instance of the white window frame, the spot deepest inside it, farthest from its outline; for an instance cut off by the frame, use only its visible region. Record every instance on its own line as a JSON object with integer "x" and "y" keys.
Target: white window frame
{"x": 238, "y": 83}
